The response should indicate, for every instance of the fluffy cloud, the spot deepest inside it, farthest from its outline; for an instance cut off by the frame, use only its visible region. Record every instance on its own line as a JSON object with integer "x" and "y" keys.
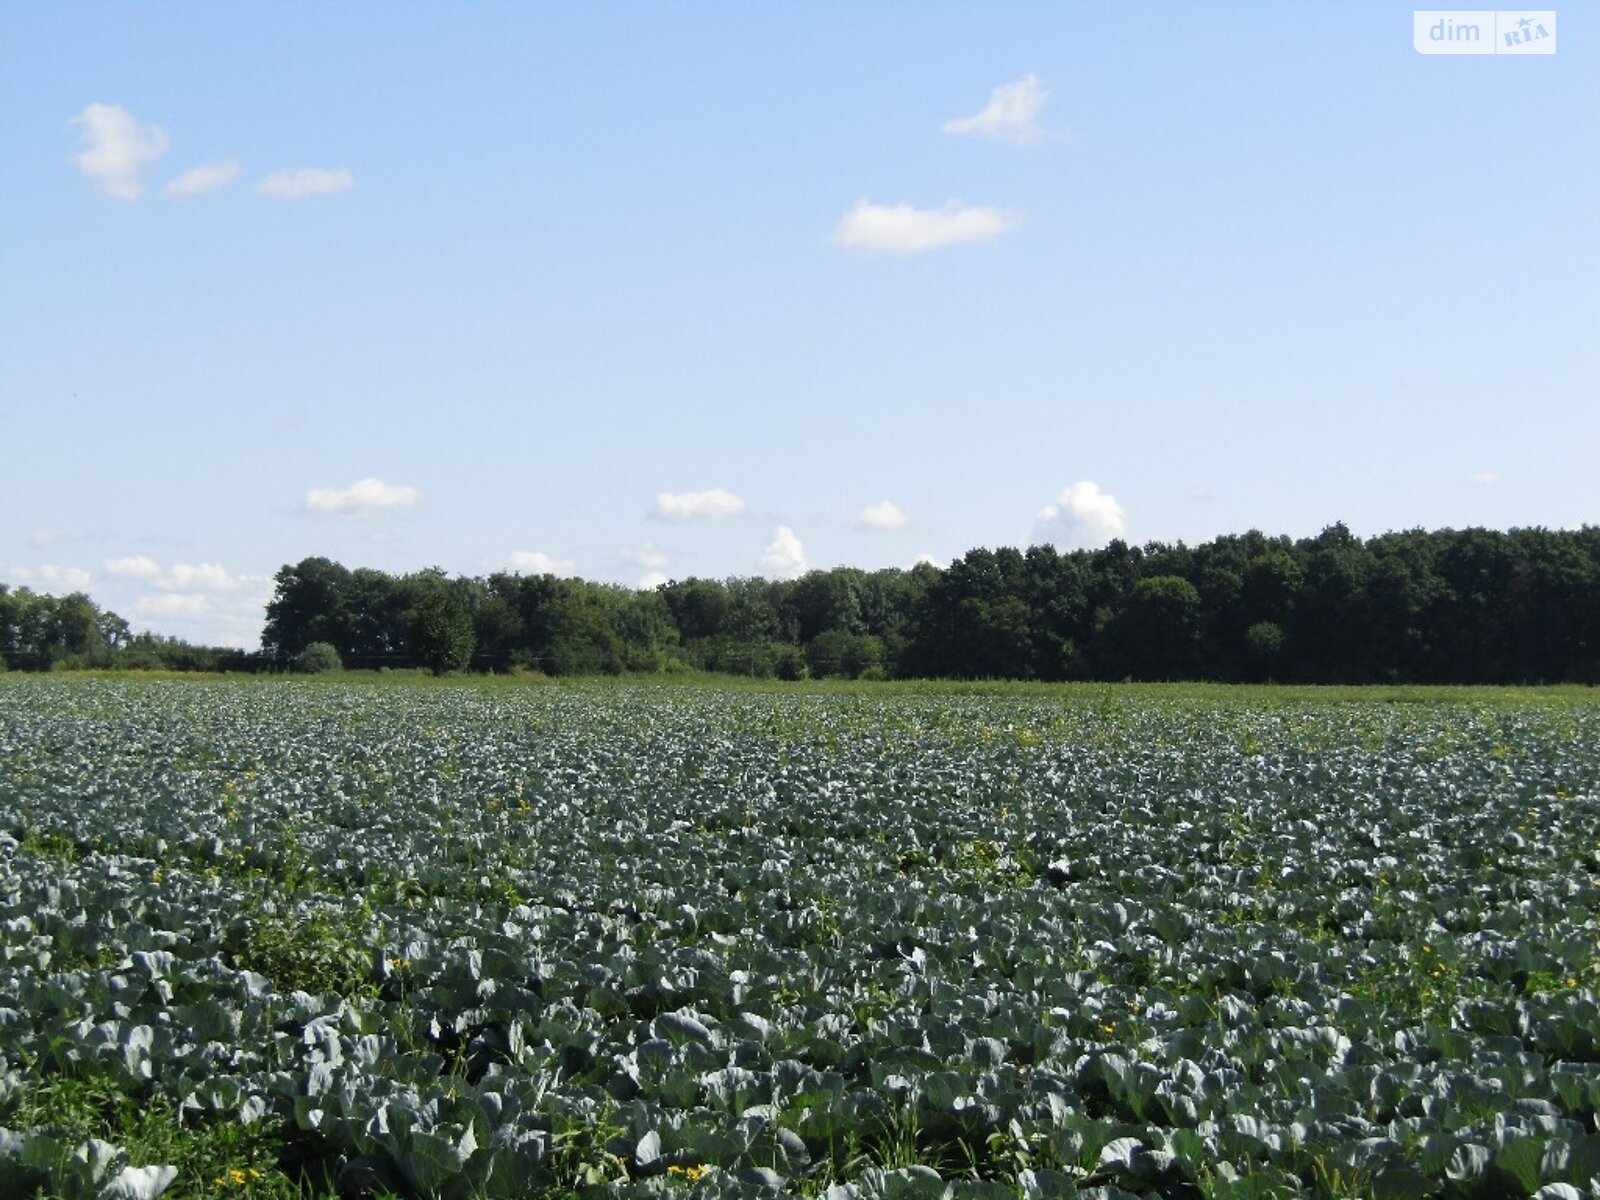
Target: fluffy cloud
{"x": 1012, "y": 114}
{"x": 887, "y": 515}
{"x": 48, "y": 577}
{"x": 173, "y": 604}
{"x": 198, "y": 577}
{"x": 211, "y": 578}
{"x": 711, "y": 505}
{"x": 783, "y": 556}
{"x": 651, "y": 581}
{"x": 203, "y": 603}
{"x": 1082, "y": 517}
{"x": 133, "y": 567}
{"x": 644, "y": 554}
{"x": 204, "y": 178}
{"x": 536, "y": 562}
{"x": 1484, "y": 478}
{"x": 44, "y": 537}
{"x": 306, "y": 181}
{"x": 116, "y": 148}
{"x": 903, "y": 230}
{"x": 364, "y": 498}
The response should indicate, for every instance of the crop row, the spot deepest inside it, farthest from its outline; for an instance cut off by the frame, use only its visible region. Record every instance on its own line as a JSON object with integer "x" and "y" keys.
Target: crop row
{"x": 454, "y": 943}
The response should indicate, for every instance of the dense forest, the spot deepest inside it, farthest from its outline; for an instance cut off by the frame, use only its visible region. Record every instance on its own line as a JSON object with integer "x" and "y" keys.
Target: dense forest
{"x": 1467, "y": 606}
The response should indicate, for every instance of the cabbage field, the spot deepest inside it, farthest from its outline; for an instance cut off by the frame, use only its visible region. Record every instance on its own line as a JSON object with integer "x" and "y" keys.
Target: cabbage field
{"x": 304, "y": 938}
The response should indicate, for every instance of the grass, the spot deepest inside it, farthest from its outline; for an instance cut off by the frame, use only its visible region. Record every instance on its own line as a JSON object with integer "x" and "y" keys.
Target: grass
{"x": 214, "y": 1160}
{"x": 1244, "y": 694}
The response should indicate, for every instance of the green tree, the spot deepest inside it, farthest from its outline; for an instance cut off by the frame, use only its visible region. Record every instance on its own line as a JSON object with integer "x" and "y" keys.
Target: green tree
{"x": 1329, "y": 630}
{"x": 1263, "y": 645}
{"x": 1159, "y": 629}
{"x": 827, "y": 601}
{"x": 38, "y": 631}
{"x": 76, "y": 632}
{"x": 1271, "y": 583}
{"x": 583, "y": 633}
{"x": 375, "y": 607}
{"x": 309, "y": 605}
{"x": 441, "y": 632}
{"x": 698, "y": 606}
{"x": 974, "y": 620}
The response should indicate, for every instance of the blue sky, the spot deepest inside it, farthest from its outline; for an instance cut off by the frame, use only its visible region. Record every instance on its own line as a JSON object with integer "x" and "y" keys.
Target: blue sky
{"x": 649, "y": 290}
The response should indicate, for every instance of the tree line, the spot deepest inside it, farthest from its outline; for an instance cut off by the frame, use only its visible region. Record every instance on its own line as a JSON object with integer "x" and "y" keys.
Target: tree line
{"x": 40, "y": 632}
{"x": 1446, "y": 606}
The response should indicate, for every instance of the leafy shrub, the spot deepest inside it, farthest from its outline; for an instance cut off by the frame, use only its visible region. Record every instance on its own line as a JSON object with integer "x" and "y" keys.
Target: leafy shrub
{"x": 317, "y": 659}
{"x": 313, "y": 952}
{"x": 789, "y": 663}
{"x": 836, "y": 653}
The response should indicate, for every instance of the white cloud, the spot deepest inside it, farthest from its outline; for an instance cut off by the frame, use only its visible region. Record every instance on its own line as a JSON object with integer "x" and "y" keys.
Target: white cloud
{"x": 201, "y": 577}
{"x": 306, "y": 181}
{"x": 364, "y": 498}
{"x": 712, "y": 505}
{"x": 1082, "y": 517}
{"x": 887, "y": 515}
{"x": 1484, "y": 478}
{"x": 651, "y": 581}
{"x": 49, "y": 577}
{"x": 44, "y": 537}
{"x": 1012, "y": 114}
{"x": 904, "y": 230}
{"x": 204, "y": 604}
{"x": 644, "y": 554}
{"x": 173, "y": 604}
{"x": 783, "y": 556}
{"x": 133, "y": 567}
{"x": 204, "y": 178}
{"x": 536, "y": 562}
{"x": 116, "y": 148}
{"x": 925, "y": 558}
{"x": 52, "y": 578}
